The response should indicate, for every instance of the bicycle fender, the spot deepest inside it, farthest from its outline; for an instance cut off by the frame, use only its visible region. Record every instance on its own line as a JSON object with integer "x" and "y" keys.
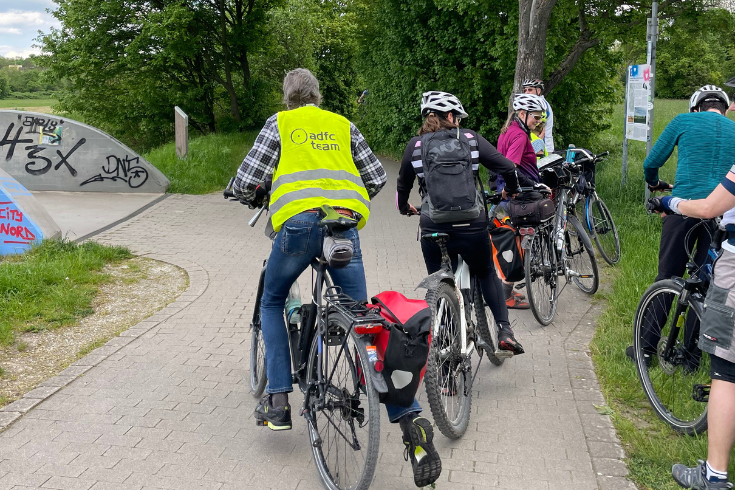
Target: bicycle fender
{"x": 434, "y": 279}
{"x": 378, "y": 381}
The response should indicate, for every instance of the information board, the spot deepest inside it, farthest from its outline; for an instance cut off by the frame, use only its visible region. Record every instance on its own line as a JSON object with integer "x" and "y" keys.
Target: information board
{"x": 639, "y": 102}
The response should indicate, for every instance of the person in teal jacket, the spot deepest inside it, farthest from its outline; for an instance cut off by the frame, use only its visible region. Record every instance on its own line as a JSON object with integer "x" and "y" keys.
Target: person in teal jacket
{"x": 704, "y": 138}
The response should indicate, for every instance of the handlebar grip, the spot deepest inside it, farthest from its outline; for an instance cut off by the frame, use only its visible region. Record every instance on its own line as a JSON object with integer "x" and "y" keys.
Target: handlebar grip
{"x": 229, "y": 194}
{"x": 603, "y": 154}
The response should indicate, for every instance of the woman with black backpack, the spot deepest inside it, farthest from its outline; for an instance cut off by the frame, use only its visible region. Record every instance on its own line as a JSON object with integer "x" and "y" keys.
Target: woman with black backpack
{"x": 446, "y": 160}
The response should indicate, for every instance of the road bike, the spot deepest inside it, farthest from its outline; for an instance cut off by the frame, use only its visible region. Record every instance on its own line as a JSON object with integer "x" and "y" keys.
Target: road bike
{"x": 674, "y": 372}
{"x": 597, "y": 218}
{"x": 333, "y": 363}
{"x": 559, "y": 247}
{"x": 461, "y": 324}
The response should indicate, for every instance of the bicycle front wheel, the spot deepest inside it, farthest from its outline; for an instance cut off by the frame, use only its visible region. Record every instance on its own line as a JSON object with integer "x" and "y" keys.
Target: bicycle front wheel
{"x": 671, "y": 383}
{"x": 580, "y": 256}
{"x": 448, "y": 376}
{"x": 541, "y": 276}
{"x": 602, "y": 228}
{"x": 343, "y": 409}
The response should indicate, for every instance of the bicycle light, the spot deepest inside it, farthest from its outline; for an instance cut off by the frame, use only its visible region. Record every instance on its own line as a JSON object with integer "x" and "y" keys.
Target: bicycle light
{"x": 368, "y": 329}
{"x": 526, "y": 231}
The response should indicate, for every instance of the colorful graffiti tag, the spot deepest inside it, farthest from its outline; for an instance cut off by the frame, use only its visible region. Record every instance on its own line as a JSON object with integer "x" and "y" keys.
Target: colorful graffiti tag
{"x": 17, "y": 231}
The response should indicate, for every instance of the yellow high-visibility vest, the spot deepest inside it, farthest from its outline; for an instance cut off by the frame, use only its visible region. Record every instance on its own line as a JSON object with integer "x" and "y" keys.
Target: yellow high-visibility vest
{"x": 316, "y": 166}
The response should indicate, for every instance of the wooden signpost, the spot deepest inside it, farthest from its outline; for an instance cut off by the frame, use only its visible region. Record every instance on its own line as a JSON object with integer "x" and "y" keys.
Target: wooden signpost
{"x": 182, "y": 132}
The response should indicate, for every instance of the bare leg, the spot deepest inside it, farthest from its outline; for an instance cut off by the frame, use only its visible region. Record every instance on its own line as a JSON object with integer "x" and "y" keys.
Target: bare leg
{"x": 721, "y": 424}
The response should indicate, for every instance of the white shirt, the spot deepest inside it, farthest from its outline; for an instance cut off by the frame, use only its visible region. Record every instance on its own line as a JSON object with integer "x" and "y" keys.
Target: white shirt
{"x": 548, "y": 137}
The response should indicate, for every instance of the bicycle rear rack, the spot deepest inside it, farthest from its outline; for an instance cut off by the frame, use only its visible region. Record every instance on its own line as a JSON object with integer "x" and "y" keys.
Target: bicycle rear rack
{"x": 354, "y": 312}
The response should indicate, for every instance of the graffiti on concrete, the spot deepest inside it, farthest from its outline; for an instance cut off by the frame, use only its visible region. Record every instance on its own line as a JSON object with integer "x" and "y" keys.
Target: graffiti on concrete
{"x": 17, "y": 231}
{"x": 48, "y": 153}
{"x": 123, "y": 169}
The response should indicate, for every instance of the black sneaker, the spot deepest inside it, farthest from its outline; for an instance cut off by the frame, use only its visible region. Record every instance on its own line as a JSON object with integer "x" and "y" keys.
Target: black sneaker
{"x": 418, "y": 436}
{"x": 647, "y": 357}
{"x": 507, "y": 341}
{"x": 696, "y": 477}
{"x": 275, "y": 418}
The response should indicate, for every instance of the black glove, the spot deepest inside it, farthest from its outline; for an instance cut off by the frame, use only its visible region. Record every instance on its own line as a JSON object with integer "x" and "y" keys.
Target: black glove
{"x": 654, "y": 205}
{"x": 659, "y": 186}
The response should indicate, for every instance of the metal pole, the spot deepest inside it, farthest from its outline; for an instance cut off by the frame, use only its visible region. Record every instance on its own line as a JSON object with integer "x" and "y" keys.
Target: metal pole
{"x": 624, "y": 177}
{"x": 652, "y": 39}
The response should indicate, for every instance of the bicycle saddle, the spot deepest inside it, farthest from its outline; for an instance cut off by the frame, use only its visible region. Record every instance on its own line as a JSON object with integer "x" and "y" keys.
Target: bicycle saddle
{"x": 335, "y": 222}
{"x": 435, "y": 236}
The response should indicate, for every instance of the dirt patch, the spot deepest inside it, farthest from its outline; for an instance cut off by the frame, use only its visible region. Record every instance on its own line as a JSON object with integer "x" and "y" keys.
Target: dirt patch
{"x": 139, "y": 288}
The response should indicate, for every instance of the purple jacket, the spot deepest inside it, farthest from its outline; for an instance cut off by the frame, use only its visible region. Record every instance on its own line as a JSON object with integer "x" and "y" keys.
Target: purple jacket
{"x": 516, "y": 146}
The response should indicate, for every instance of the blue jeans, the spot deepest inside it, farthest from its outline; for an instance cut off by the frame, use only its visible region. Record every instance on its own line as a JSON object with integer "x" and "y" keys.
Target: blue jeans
{"x": 299, "y": 241}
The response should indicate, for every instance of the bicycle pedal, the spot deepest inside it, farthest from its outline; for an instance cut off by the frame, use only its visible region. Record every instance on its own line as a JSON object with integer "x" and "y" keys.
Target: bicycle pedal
{"x": 261, "y": 422}
{"x": 503, "y": 354}
{"x": 520, "y": 285}
{"x": 700, "y": 393}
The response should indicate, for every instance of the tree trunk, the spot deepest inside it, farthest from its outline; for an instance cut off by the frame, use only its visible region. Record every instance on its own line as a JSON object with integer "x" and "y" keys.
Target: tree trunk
{"x": 234, "y": 105}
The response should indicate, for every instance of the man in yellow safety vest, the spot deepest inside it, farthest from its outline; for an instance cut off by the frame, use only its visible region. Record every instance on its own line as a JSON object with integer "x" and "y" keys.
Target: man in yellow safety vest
{"x": 319, "y": 158}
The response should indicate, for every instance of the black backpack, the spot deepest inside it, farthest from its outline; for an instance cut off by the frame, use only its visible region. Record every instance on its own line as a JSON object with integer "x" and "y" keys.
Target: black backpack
{"x": 451, "y": 194}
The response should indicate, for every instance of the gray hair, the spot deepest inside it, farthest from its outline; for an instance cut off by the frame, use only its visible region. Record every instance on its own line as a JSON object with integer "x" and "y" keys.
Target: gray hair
{"x": 300, "y": 87}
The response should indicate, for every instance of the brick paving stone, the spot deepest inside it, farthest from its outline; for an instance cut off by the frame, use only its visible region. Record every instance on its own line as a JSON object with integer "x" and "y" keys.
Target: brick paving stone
{"x": 167, "y": 404}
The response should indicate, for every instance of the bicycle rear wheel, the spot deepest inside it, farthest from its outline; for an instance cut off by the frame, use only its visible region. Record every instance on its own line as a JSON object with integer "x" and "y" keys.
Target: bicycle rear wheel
{"x": 448, "y": 376}
{"x": 258, "y": 378}
{"x": 343, "y": 409}
{"x": 581, "y": 256}
{"x": 541, "y": 276}
{"x": 670, "y": 385}
{"x": 486, "y": 325}
{"x": 602, "y": 227}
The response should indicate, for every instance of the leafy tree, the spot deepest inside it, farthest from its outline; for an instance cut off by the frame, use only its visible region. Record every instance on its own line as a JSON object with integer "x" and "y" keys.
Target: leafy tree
{"x": 4, "y": 86}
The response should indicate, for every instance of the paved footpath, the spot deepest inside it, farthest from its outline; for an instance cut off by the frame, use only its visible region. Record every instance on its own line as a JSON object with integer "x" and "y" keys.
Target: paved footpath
{"x": 167, "y": 404}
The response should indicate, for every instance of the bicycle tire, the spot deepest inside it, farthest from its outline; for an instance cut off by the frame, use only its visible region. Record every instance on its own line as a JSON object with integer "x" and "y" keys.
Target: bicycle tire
{"x": 666, "y": 385}
{"x": 486, "y": 325}
{"x": 357, "y": 387}
{"x": 539, "y": 263}
{"x": 603, "y": 230}
{"x": 258, "y": 377}
{"x": 443, "y": 388}
{"x": 579, "y": 245}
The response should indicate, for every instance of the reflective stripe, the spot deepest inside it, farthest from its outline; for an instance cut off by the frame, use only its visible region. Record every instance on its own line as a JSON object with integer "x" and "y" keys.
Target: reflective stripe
{"x": 475, "y": 154}
{"x": 316, "y": 175}
{"x": 315, "y": 192}
{"x": 475, "y": 166}
{"x": 417, "y": 164}
{"x": 416, "y": 153}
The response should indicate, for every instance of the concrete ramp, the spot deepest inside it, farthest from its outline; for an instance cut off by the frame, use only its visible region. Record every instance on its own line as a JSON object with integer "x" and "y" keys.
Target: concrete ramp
{"x": 48, "y": 153}
{"x": 23, "y": 220}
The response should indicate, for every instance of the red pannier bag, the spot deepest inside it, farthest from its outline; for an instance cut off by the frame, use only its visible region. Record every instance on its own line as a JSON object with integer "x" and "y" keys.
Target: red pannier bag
{"x": 403, "y": 348}
{"x": 507, "y": 251}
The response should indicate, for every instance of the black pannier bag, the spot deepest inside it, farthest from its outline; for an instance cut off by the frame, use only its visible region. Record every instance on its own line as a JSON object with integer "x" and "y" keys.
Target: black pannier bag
{"x": 530, "y": 209}
{"x": 402, "y": 348}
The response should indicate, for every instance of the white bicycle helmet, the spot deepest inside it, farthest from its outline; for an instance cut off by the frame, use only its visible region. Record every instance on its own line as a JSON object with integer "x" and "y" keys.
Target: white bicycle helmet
{"x": 528, "y": 102}
{"x": 443, "y": 102}
{"x": 707, "y": 93}
{"x": 533, "y": 82}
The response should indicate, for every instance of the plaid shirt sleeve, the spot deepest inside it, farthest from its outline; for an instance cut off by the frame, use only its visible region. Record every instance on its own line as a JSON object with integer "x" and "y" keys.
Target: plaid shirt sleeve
{"x": 370, "y": 168}
{"x": 260, "y": 160}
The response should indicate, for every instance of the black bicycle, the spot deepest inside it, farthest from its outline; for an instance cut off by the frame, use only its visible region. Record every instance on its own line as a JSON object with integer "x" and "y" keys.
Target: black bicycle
{"x": 674, "y": 372}
{"x": 331, "y": 348}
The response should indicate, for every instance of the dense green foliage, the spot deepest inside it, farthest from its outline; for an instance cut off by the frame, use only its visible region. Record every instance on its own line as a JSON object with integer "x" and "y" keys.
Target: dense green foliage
{"x": 26, "y": 81}
{"x": 409, "y": 48}
{"x": 52, "y": 285}
{"x": 212, "y": 160}
{"x": 694, "y": 50}
{"x": 651, "y": 446}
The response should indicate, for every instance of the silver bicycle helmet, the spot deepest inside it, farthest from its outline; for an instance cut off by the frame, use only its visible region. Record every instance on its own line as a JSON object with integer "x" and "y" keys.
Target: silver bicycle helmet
{"x": 708, "y": 93}
{"x": 528, "y": 102}
{"x": 533, "y": 82}
{"x": 443, "y": 102}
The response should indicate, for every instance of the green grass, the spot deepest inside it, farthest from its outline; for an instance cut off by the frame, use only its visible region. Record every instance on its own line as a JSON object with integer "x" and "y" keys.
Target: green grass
{"x": 51, "y": 285}
{"x": 211, "y": 161}
{"x": 22, "y": 103}
{"x": 652, "y": 447}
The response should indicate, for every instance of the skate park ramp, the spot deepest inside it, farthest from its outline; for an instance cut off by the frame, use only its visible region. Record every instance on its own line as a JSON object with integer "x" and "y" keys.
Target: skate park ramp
{"x": 45, "y": 152}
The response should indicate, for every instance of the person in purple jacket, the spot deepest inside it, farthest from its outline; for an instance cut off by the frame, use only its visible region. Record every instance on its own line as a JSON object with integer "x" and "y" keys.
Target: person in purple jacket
{"x": 515, "y": 144}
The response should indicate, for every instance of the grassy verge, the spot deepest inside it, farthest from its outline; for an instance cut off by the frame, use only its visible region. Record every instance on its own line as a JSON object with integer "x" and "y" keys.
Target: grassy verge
{"x": 24, "y": 103}
{"x": 52, "y": 285}
{"x": 211, "y": 161}
{"x": 652, "y": 447}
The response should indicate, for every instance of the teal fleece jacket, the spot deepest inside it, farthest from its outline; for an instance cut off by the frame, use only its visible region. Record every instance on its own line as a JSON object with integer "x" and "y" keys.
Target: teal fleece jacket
{"x": 706, "y": 142}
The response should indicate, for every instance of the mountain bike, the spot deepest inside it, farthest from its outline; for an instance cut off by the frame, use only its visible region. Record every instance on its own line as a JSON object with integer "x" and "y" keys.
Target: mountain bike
{"x": 333, "y": 363}
{"x": 559, "y": 247}
{"x": 597, "y": 218}
{"x": 674, "y": 372}
{"x": 459, "y": 314}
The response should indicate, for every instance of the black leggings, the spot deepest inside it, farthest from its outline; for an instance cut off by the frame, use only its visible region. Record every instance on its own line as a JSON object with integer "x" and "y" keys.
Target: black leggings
{"x": 475, "y": 250}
